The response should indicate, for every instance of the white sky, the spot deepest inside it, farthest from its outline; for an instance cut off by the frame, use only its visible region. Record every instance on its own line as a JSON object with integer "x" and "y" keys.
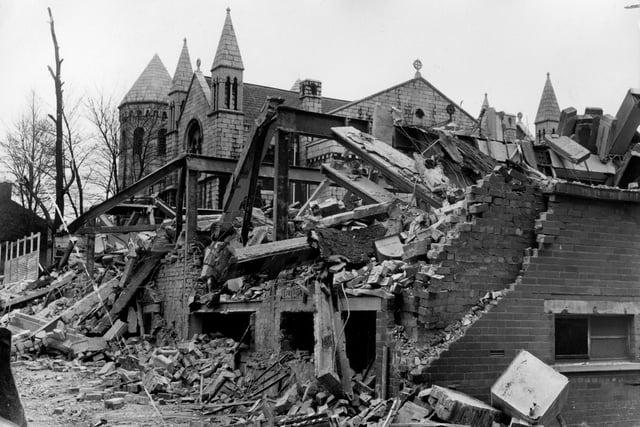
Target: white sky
{"x": 355, "y": 47}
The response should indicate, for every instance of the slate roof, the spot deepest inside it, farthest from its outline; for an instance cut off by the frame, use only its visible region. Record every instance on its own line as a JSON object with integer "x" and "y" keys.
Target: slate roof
{"x": 153, "y": 85}
{"x": 184, "y": 71}
{"x": 228, "y": 53}
{"x": 255, "y": 95}
{"x": 548, "y": 110}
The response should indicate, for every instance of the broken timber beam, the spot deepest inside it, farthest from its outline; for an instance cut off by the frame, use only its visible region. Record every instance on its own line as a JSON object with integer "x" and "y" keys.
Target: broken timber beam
{"x": 368, "y": 190}
{"x": 268, "y": 256}
{"x": 125, "y": 194}
{"x": 281, "y": 186}
{"x": 396, "y": 167}
{"x": 358, "y": 213}
{"x": 144, "y": 268}
{"x": 316, "y": 193}
{"x": 325, "y": 346}
{"x": 121, "y": 229}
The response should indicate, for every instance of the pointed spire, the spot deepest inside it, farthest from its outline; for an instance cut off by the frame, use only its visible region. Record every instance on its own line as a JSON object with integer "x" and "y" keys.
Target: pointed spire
{"x": 548, "y": 110}
{"x": 485, "y": 103}
{"x": 153, "y": 85}
{"x": 184, "y": 71}
{"x": 228, "y": 53}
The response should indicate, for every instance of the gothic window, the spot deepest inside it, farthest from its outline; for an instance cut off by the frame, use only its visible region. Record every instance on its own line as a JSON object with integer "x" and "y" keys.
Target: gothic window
{"x": 138, "y": 136}
{"x": 194, "y": 138}
{"x": 227, "y": 93}
{"x": 544, "y": 131}
{"x": 553, "y": 130}
{"x": 162, "y": 142}
{"x": 235, "y": 93}
{"x": 123, "y": 142}
{"x": 215, "y": 94}
{"x": 164, "y": 115}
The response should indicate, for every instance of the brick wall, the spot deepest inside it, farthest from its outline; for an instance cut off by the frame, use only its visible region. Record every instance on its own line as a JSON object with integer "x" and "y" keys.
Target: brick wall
{"x": 175, "y": 282}
{"x": 588, "y": 252}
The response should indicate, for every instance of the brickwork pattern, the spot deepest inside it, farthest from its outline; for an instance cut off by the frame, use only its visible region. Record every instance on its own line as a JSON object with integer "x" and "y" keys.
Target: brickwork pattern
{"x": 175, "y": 283}
{"x": 588, "y": 250}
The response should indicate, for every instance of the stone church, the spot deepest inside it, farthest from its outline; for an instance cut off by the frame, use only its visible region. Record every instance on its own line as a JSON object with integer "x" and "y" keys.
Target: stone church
{"x": 162, "y": 116}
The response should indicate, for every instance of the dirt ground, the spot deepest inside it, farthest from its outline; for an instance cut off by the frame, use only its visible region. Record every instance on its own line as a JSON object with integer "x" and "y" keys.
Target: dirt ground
{"x": 50, "y": 391}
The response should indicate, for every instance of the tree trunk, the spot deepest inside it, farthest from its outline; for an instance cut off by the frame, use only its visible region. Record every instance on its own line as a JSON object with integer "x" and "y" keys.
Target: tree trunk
{"x": 59, "y": 155}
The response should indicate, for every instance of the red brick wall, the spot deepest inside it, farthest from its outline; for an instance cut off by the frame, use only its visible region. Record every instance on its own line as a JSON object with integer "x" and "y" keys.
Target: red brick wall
{"x": 591, "y": 253}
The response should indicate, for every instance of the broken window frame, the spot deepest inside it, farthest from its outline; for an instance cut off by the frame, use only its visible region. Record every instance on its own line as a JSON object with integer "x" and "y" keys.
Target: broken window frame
{"x": 628, "y": 322}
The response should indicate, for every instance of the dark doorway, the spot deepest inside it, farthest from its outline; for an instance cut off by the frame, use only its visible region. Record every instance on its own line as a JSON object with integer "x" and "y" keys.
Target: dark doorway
{"x": 360, "y": 335}
{"x": 229, "y": 325}
{"x": 296, "y": 330}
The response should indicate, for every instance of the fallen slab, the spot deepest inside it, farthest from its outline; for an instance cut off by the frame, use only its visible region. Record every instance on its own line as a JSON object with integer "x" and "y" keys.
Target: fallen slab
{"x": 398, "y": 168}
{"x": 530, "y": 390}
{"x": 359, "y": 185}
{"x": 568, "y": 148}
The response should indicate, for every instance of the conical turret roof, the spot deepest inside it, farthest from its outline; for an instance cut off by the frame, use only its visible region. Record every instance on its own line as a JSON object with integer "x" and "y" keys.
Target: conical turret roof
{"x": 184, "y": 71}
{"x": 228, "y": 53}
{"x": 153, "y": 85}
{"x": 548, "y": 110}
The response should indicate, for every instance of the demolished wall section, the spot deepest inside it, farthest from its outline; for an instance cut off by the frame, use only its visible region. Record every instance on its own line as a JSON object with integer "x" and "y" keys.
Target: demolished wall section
{"x": 482, "y": 252}
{"x": 589, "y": 252}
{"x": 176, "y": 281}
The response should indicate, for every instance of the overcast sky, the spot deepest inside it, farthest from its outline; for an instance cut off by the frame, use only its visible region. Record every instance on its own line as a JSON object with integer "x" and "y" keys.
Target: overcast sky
{"x": 355, "y": 47}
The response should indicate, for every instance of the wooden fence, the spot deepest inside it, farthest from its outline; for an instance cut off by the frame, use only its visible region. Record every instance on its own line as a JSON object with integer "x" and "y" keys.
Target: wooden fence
{"x": 22, "y": 258}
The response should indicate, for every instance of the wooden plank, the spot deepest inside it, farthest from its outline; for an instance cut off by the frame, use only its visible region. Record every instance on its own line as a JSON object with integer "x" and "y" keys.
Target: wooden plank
{"x": 281, "y": 185}
{"x": 125, "y": 194}
{"x": 182, "y": 179}
{"x": 368, "y": 190}
{"x": 358, "y": 213}
{"x": 144, "y": 268}
{"x": 325, "y": 347}
{"x": 398, "y": 168}
{"x": 251, "y": 253}
{"x": 244, "y": 179}
{"x": 192, "y": 205}
{"x": 568, "y": 148}
{"x": 628, "y": 118}
{"x": 117, "y": 229}
{"x": 25, "y": 299}
{"x": 316, "y": 193}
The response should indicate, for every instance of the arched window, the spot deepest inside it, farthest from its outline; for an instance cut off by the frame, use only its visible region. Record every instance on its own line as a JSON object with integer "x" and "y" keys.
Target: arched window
{"x": 419, "y": 113}
{"x": 194, "y": 138}
{"x": 227, "y": 93}
{"x": 162, "y": 142}
{"x": 553, "y": 130}
{"x": 544, "y": 132}
{"x": 235, "y": 93}
{"x": 215, "y": 94}
{"x": 164, "y": 115}
{"x": 123, "y": 142}
{"x": 138, "y": 136}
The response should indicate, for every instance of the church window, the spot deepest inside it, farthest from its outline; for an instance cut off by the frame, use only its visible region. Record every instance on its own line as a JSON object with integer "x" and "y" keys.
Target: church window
{"x": 227, "y": 93}
{"x": 164, "y": 115}
{"x": 235, "y": 93}
{"x": 162, "y": 142}
{"x": 419, "y": 113}
{"x": 123, "y": 141}
{"x": 194, "y": 138}
{"x": 215, "y": 94}
{"x": 553, "y": 130}
{"x": 138, "y": 136}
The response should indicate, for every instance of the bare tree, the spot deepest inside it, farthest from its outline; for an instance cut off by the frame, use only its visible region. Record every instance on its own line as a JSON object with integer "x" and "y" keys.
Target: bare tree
{"x": 28, "y": 156}
{"x": 102, "y": 112}
{"x": 59, "y": 149}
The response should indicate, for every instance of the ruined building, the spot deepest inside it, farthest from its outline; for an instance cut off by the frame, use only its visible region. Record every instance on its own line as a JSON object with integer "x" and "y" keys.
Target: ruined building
{"x": 162, "y": 117}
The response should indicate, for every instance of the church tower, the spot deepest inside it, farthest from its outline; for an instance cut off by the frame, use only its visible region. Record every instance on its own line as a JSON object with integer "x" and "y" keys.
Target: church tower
{"x": 227, "y": 96}
{"x": 548, "y": 115}
{"x": 143, "y": 123}
{"x": 178, "y": 94}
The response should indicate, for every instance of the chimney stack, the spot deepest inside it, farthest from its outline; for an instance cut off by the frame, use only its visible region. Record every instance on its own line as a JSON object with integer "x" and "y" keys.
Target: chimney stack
{"x": 311, "y": 95}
